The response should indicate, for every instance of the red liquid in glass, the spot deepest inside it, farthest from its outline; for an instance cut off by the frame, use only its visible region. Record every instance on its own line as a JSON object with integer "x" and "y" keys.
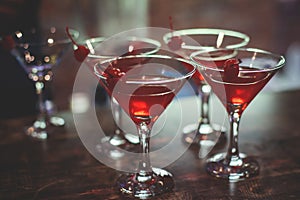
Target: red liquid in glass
{"x": 146, "y": 103}
{"x": 143, "y": 102}
{"x": 198, "y": 78}
{"x": 237, "y": 91}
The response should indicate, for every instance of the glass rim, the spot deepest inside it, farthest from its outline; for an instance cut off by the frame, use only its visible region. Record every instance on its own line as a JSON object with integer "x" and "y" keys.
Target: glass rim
{"x": 63, "y": 40}
{"x": 171, "y": 79}
{"x": 93, "y": 39}
{"x": 208, "y": 31}
{"x": 280, "y": 63}
{"x": 156, "y": 43}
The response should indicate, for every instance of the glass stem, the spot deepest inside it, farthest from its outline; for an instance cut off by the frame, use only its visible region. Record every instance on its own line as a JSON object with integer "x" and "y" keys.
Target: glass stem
{"x": 205, "y": 91}
{"x": 117, "y": 112}
{"x": 232, "y": 156}
{"x": 39, "y": 86}
{"x": 145, "y": 169}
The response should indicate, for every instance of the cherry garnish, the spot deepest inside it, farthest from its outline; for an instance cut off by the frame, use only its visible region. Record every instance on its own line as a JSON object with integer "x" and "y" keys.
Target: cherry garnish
{"x": 231, "y": 68}
{"x": 175, "y": 42}
{"x": 7, "y": 43}
{"x": 81, "y": 52}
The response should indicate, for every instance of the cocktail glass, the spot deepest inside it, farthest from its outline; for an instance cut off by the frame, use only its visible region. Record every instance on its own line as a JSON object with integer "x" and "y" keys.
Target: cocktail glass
{"x": 37, "y": 51}
{"x": 186, "y": 41}
{"x": 236, "y": 77}
{"x": 144, "y": 85}
{"x": 118, "y": 48}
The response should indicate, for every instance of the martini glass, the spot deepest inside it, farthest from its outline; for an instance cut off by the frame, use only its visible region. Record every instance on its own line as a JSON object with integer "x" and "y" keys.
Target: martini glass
{"x": 37, "y": 51}
{"x": 187, "y": 41}
{"x": 144, "y": 85}
{"x": 236, "y": 77}
{"x": 118, "y": 48}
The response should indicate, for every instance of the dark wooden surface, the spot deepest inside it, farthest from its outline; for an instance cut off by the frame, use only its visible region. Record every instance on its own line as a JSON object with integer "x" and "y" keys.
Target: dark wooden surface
{"x": 61, "y": 167}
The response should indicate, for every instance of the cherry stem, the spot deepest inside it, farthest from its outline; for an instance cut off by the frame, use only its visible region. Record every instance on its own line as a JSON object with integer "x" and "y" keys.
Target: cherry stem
{"x": 171, "y": 25}
{"x": 70, "y": 36}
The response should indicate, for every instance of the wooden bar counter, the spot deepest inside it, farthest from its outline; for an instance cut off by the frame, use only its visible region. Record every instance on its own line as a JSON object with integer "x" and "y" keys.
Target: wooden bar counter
{"x": 62, "y": 168}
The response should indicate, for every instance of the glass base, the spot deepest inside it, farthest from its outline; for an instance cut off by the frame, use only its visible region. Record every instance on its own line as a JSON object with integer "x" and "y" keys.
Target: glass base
{"x": 121, "y": 139}
{"x": 236, "y": 169}
{"x": 37, "y": 133}
{"x": 51, "y": 113}
{"x": 115, "y": 140}
{"x": 57, "y": 121}
{"x": 134, "y": 139}
{"x": 40, "y": 128}
{"x": 197, "y": 134}
{"x": 143, "y": 187}
{"x": 108, "y": 146}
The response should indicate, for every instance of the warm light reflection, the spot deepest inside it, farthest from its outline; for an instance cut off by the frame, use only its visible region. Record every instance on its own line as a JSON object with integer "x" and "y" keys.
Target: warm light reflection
{"x": 46, "y": 59}
{"x": 237, "y": 100}
{"x": 47, "y": 77}
{"x": 26, "y": 46}
{"x": 139, "y": 108}
{"x": 28, "y": 57}
{"x": 19, "y": 34}
{"x": 33, "y": 77}
{"x": 52, "y": 29}
{"x": 50, "y": 41}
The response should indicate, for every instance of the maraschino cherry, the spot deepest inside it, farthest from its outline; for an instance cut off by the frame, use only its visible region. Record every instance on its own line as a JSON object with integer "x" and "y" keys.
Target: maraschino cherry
{"x": 81, "y": 52}
{"x": 175, "y": 42}
{"x": 231, "y": 68}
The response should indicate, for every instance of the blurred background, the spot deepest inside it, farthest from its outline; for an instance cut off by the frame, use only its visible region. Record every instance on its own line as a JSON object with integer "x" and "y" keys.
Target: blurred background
{"x": 271, "y": 24}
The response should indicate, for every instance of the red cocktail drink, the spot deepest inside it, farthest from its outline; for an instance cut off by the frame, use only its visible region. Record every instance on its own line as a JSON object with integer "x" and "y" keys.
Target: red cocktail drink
{"x": 186, "y": 41}
{"x": 236, "y": 80}
{"x": 144, "y": 85}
